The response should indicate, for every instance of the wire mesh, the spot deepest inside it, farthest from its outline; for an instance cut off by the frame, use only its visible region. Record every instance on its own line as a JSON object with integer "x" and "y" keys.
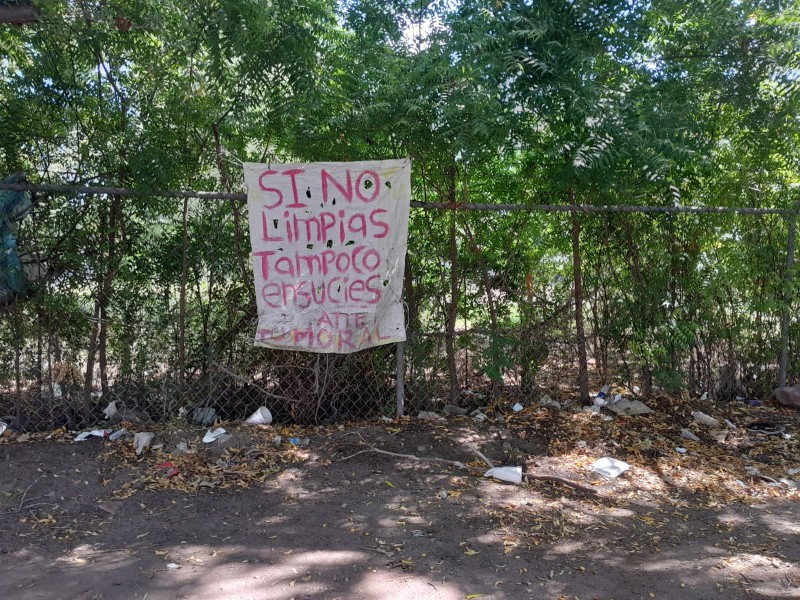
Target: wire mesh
{"x": 147, "y": 302}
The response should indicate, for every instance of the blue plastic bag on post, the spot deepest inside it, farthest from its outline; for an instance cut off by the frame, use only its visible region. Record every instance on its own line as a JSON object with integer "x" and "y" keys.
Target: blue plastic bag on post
{"x": 14, "y": 205}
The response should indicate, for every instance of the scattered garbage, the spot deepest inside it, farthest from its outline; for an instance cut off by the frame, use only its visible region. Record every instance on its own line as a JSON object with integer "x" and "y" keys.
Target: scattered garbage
{"x": 703, "y": 418}
{"x": 24, "y": 437}
{"x": 594, "y": 410}
{"x": 213, "y": 434}
{"x": 609, "y": 467}
{"x": 581, "y": 444}
{"x": 224, "y": 439}
{"x": 429, "y": 415}
{"x": 452, "y": 409}
{"x": 295, "y": 441}
{"x": 789, "y": 396}
{"x": 117, "y": 434}
{"x": 616, "y": 399}
{"x": 517, "y": 407}
{"x": 131, "y": 415}
{"x": 792, "y": 471}
{"x": 688, "y": 435}
{"x": 141, "y": 441}
{"x": 509, "y": 474}
{"x": 173, "y": 566}
{"x": 600, "y": 399}
{"x": 704, "y": 397}
{"x": 754, "y": 472}
{"x": 168, "y": 469}
{"x": 729, "y": 424}
{"x": 766, "y": 428}
{"x": 680, "y": 450}
{"x": 630, "y": 408}
{"x": 3, "y": 427}
{"x": 261, "y": 417}
{"x": 85, "y": 435}
{"x": 110, "y": 410}
{"x": 719, "y": 434}
{"x": 754, "y": 402}
{"x": 204, "y": 416}
{"x": 547, "y": 402}
{"x": 478, "y": 415}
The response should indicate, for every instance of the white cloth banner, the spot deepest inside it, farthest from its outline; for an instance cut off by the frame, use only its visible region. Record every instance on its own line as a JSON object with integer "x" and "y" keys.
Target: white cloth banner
{"x": 329, "y": 246}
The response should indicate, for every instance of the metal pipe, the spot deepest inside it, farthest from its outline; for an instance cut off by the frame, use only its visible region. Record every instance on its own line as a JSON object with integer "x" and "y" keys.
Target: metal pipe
{"x": 140, "y": 193}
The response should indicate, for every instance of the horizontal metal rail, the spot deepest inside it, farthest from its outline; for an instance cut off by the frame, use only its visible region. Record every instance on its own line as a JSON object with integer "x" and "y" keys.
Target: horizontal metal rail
{"x": 565, "y": 208}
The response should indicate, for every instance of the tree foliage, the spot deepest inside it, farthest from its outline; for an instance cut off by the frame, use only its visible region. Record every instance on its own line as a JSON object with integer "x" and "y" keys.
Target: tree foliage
{"x": 617, "y": 102}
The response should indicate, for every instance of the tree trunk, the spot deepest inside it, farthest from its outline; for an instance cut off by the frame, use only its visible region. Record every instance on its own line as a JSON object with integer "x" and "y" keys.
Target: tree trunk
{"x": 17, "y": 369}
{"x": 50, "y": 407}
{"x": 114, "y": 258}
{"x": 182, "y": 305}
{"x": 90, "y": 358}
{"x": 237, "y": 219}
{"x": 39, "y": 348}
{"x": 411, "y": 297}
{"x": 583, "y": 368}
{"x": 487, "y": 288}
{"x": 452, "y": 312}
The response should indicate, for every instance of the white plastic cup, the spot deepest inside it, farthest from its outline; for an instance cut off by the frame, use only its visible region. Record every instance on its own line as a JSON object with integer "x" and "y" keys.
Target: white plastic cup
{"x": 509, "y": 474}
{"x": 261, "y": 417}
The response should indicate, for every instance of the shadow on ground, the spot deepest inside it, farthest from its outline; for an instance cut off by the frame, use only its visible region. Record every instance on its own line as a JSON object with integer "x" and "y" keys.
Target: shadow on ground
{"x": 377, "y": 526}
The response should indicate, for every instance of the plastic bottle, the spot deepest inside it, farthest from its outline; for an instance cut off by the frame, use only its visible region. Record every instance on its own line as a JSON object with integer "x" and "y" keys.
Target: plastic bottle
{"x": 600, "y": 399}
{"x": 703, "y": 418}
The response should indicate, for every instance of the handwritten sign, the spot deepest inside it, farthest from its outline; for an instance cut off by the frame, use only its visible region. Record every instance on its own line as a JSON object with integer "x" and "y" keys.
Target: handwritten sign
{"x": 329, "y": 246}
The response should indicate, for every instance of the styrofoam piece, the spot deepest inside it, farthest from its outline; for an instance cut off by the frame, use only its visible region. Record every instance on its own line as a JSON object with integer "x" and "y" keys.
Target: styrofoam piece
{"x": 609, "y": 467}
{"x": 261, "y": 417}
{"x": 509, "y": 474}
{"x": 212, "y": 435}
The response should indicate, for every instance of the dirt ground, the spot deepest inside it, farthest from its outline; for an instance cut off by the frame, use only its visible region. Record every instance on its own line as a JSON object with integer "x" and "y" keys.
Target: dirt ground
{"x": 263, "y": 518}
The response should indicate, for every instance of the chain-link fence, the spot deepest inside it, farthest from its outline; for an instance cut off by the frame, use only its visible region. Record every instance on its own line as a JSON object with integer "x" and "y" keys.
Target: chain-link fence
{"x": 147, "y": 301}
